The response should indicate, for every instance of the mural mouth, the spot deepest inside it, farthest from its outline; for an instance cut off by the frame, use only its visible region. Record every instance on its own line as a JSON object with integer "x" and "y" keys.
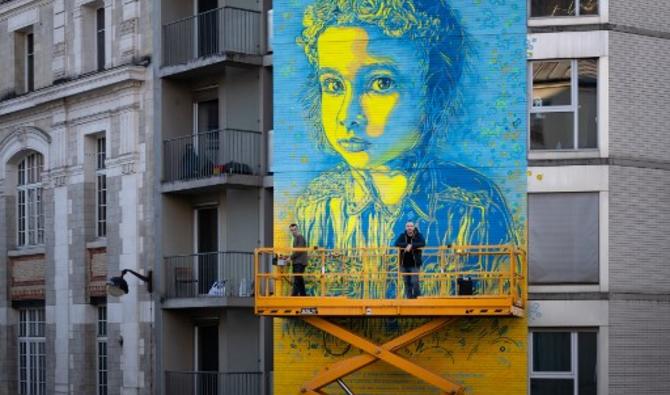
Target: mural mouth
{"x": 354, "y": 144}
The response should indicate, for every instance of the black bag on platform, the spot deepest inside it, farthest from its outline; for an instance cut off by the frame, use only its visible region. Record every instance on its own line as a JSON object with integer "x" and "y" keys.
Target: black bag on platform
{"x": 465, "y": 286}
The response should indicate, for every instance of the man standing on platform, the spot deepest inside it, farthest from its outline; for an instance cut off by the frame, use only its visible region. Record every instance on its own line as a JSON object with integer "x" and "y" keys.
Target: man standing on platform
{"x": 299, "y": 261}
{"x": 410, "y": 243}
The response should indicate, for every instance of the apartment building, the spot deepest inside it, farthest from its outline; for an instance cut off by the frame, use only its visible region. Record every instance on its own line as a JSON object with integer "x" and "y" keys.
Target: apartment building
{"x": 598, "y": 174}
{"x": 75, "y": 196}
{"x": 213, "y": 114}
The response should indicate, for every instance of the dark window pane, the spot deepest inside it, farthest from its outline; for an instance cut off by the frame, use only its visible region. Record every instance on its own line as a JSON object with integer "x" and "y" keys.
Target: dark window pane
{"x": 552, "y": 8}
{"x": 588, "y": 103}
{"x": 588, "y": 352}
{"x": 208, "y": 27}
{"x": 563, "y": 238}
{"x": 208, "y": 115}
{"x": 551, "y": 351}
{"x": 100, "y": 37}
{"x": 30, "y": 63}
{"x": 551, "y": 83}
{"x": 552, "y": 131}
{"x": 551, "y": 387}
{"x": 588, "y": 7}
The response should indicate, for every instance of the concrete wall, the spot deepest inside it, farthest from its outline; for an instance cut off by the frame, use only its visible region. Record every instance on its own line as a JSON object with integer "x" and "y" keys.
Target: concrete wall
{"x": 639, "y": 347}
{"x": 242, "y": 219}
{"x": 639, "y": 223}
{"x": 178, "y": 334}
{"x": 645, "y": 14}
{"x": 239, "y": 341}
{"x": 638, "y": 115}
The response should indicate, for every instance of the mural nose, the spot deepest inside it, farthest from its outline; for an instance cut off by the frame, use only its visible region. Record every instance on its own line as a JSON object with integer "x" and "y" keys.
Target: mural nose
{"x": 352, "y": 115}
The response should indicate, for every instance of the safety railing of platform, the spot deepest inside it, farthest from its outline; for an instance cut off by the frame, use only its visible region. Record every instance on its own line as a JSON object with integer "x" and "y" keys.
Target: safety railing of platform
{"x": 375, "y": 273}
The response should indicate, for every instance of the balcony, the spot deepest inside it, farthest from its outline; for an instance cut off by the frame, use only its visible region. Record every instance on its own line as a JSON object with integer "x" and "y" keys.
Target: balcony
{"x": 210, "y": 159}
{"x": 213, "y": 279}
{"x": 454, "y": 281}
{"x": 213, "y": 383}
{"x": 226, "y": 35}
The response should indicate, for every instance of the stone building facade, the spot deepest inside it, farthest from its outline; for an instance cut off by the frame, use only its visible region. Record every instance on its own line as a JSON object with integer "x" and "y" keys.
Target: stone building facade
{"x": 75, "y": 196}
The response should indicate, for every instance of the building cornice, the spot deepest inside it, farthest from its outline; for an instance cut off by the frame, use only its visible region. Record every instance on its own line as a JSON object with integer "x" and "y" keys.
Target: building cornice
{"x": 75, "y": 87}
{"x": 7, "y": 9}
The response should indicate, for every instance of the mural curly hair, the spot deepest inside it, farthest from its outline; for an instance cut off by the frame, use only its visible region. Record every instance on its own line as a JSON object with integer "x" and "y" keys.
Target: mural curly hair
{"x": 433, "y": 23}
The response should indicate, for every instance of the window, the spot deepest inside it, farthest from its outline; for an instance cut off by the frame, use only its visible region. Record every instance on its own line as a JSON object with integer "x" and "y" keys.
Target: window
{"x": 30, "y": 213}
{"x": 101, "y": 187}
{"x": 32, "y": 357}
{"x": 563, "y": 362}
{"x": 100, "y": 37}
{"x": 101, "y": 351}
{"x": 30, "y": 63}
{"x": 564, "y": 108}
{"x": 553, "y": 8}
{"x": 563, "y": 238}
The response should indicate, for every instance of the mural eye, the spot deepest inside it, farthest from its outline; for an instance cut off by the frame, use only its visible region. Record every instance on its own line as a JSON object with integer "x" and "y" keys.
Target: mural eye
{"x": 382, "y": 84}
{"x": 332, "y": 86}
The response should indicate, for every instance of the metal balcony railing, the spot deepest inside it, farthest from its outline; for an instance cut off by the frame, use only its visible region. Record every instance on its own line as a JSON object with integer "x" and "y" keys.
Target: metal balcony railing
{"x": 215, "y": 32}
{"x": 214, "y": 274}
{"x": 462, "y": 280}
{"x": 213, "y": 383}
{"x": 214, "y": 153}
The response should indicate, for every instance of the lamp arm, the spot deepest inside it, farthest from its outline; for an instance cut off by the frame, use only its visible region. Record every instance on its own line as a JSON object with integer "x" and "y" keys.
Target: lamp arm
{"x": 147, "y": 279}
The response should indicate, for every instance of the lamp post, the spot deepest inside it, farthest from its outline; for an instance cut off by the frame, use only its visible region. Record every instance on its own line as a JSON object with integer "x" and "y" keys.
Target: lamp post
{"x": 117, "y": 286}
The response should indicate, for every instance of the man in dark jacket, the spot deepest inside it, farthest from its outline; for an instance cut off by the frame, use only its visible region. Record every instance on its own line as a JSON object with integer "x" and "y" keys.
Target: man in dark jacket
{"x": 299, "y": 260}
{"x": 410, "y": 243}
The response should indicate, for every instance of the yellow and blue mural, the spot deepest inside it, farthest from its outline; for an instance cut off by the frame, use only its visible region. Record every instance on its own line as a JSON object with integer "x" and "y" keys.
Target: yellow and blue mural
{"x": 389, "y": 111}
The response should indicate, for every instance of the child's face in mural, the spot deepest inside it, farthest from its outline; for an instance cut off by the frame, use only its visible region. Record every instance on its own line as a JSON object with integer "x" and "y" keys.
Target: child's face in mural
{"x": 372, "y": 94}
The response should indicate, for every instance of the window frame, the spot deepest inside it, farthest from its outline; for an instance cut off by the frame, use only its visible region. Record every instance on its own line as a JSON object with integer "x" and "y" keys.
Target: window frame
{"x": 573, "y": 374}
{"x": 577, "y": 12}
{"x": 33, "y": 211}
{"x": 100, "y": 187}
{"x": 101, "y": 353}
{"x": 573, "y": 108}
{"x": 31, "y": 346}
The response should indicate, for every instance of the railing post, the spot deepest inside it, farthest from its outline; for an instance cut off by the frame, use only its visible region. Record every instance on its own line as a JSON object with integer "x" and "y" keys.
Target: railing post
{"x": 400, "y": 278}
{"x": 512, "y": 289}
{"x": 323, "y": 272}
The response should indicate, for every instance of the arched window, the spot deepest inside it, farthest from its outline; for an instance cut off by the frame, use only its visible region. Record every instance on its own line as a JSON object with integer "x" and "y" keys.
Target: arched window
{"x": 30, "y": 210}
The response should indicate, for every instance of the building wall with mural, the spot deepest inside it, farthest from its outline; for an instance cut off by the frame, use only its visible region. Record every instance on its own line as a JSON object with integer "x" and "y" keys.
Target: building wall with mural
{"x": 389, "y": 111}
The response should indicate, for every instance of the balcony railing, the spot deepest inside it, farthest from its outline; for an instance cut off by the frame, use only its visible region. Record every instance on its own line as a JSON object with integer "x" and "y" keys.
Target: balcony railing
{"x": 215, "y": 32}
{"x": 463, "y": 280}
{"x": 213, "y": 383}
{"x": 209, "y": 154}
{"x": 214, "y": 274}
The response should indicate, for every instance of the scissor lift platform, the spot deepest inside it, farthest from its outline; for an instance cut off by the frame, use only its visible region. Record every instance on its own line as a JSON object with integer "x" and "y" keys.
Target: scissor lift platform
{"x": 369, "y": 282}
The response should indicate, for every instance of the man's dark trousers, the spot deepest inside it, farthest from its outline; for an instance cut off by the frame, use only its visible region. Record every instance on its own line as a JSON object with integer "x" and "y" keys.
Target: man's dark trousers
{"x": 298, "y": 281}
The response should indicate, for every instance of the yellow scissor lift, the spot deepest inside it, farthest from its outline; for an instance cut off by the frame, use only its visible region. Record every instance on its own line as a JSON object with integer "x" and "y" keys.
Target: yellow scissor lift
{"x": 455, "y": 281}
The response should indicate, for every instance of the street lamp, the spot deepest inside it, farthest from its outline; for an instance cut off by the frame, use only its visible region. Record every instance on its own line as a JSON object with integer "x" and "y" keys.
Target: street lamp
{"x": 117, "y": 286}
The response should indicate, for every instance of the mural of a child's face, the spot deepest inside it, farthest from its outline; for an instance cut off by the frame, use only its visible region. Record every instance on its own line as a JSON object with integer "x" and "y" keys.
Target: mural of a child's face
{"x": 372, "y": 94}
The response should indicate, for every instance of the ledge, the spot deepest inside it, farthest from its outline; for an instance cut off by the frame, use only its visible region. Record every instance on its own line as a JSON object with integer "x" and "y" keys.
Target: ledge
{"x": 99, "y": 243}
{"x": 73, "y": 87}
{"x": 202, "y": 184}
{"x": 209, "y": 64}
{"x": 27, "y": 251}
{"x": 208, "y": 301}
